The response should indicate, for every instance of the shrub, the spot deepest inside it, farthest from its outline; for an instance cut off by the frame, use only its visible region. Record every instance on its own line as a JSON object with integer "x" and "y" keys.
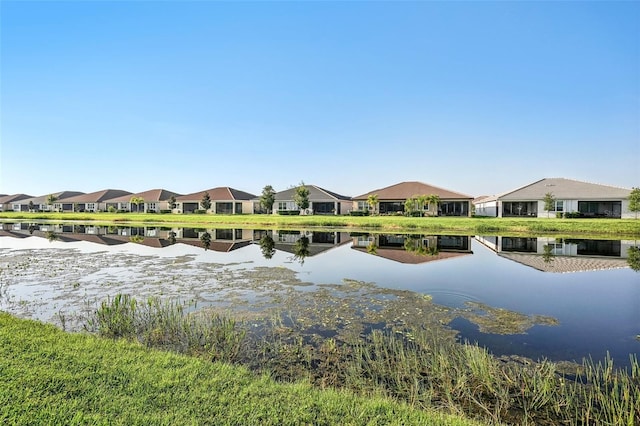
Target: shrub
{"x": 289, "y": 212}
{"x": 199, "y": 211}
{"x": 359, "y": 213}
{"x": 165, "y": 211}
{"x": 112, "y": 209}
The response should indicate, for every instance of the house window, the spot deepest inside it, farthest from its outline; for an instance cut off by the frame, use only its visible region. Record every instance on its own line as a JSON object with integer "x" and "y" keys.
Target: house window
{"x": 363, "y": 205}
{"x": 558, "y": 206}
{"x": 91, "y": 206}
{"x": 151, "y": 206}
{"x": 282, "y": 205}
{"x": 16, "y": 207}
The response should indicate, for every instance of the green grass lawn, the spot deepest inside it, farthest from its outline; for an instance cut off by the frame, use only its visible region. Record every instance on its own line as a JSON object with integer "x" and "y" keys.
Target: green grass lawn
{"x": 49, "y": 377}
{"x": 532, "y": 226}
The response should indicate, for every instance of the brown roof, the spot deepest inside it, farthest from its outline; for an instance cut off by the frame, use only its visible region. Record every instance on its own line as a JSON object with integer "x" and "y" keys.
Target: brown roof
{"x": 153, "y": 195}
{"x": 404, "y": 190}
{"x": 60, "y": 196}
{"x": 221, "y": 193}
{"x": 98, "y": 196}
{"x": 403, "y": 256}
{"x": 14, "y": 197}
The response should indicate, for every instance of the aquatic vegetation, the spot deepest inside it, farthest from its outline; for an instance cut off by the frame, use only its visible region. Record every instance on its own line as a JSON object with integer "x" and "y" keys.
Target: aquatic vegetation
{"x": 502, "y": 321}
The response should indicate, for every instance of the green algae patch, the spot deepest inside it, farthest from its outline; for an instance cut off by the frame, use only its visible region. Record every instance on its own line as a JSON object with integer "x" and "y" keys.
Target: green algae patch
{"x": 502, "y": 321}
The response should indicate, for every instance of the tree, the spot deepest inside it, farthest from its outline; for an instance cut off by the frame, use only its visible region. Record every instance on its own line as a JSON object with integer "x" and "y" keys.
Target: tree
{"x": 172, "y": 202}
{"x": 301, "y": 196}
{"x": 422, "y": 200}
{"x": 433, "y": 199}
{"x": 267, "y": 198}
{"x": 549, "y": 202}
{"x": 301, "y": 249}
{"x": 633, "y": 258}
{"x": 137, "y": 201}
{"x": 205, "y": 203}
{"x": 51, "y": 199}
{"x": 410, "y": 206}
{"x": 206, "y": 240}
{"x": 634, "y": 201}
{"x": 372, "y": 200}
{"x": 267, "y": 246}
{"x": 31, "y": 206}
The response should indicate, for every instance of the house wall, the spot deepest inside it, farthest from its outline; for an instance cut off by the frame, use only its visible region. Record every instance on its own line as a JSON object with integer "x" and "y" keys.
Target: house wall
{"x": 489, "y": 208}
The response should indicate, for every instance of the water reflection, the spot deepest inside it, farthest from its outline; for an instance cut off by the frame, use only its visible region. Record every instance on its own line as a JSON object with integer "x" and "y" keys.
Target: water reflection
{"x": 412, "y": 248}
{"x": 549, "y": 254}
{"x": 490, "y": 284}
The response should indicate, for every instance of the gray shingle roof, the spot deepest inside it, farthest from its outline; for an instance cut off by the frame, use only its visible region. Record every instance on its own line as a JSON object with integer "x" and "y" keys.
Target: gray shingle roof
{"x": 562, "y": 188}
{"x": 315, "y": 193}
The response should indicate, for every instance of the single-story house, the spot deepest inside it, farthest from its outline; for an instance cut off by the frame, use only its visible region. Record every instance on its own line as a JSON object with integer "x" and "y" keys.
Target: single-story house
{"x": 321, "y": 201}
{"x": 581, "y": 199}
{"x": 41, "y": 203}
{"x": 151, "y": 201}
{"x": 224, "y": 200}
{"x": 94, "y": 201}
{"x": 391, "y": 200}
{"x": 12, "y": 202}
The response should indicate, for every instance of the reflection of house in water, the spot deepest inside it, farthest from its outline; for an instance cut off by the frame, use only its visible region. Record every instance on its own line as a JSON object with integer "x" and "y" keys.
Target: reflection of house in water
{"x": 221, "y": 239}
{"x": 549, "y": 254}
{"x": 413, "y": 249}
{"x": 316, "y": 243}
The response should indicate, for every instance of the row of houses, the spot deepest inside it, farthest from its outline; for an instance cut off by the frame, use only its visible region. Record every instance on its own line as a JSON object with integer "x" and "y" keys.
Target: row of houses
{"x": 581, "y": 199}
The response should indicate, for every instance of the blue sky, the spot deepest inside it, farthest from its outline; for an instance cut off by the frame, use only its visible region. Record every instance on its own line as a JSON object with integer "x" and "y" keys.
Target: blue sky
{"x": 476, "y": 97}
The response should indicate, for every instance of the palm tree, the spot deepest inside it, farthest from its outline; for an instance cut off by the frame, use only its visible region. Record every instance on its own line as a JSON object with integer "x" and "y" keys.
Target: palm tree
{"x": 51, "y": 199}
{"x": 435, "y": 200}
{"x": 422, "y": 200}
{"x": 372, "y": 200}
{"x": 137, "y": 201}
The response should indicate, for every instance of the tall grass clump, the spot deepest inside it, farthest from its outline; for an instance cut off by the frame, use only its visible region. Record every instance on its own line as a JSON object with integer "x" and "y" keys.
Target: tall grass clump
{"x": 425, "y": 368}
{"x": 463, "y": 378}
{"x": 168, "y": 325}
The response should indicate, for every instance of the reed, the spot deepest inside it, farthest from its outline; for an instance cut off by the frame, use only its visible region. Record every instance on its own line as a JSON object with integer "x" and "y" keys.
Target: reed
{"x": 423, "y": 368}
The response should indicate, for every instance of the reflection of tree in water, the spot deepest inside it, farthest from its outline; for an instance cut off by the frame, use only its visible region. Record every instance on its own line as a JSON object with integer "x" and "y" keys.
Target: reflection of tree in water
{"x": 547, "y": 253}
{"x": 172, "y": 237}
{"x": 31, "y": 229}
{"x": 372, "y": 248}
{"x": 206, "y": 240}
{"x": 267, "y": 246}
{"x": 415, "y": 244}
{"x": 301, "y": 249}
{"x": 136, "y": 239}
{"x": 51, "y": 236}
{"x": 633, "y": 258}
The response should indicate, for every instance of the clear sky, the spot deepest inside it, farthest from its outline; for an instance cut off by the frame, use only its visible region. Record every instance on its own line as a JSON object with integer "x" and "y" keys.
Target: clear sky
{"x": 476, "y": 97}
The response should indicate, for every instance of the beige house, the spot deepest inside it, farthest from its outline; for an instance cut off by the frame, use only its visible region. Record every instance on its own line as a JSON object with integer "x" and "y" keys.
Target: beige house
{"x": 41, "y": 203}
{"x": 224, "y": 200}
{"x": 321, "y": 201}
{"x": 12, "y": 202}
{"x": 94, "y": 201}
{"x": 152, "y": 201}
{"x": 391, "y": 200}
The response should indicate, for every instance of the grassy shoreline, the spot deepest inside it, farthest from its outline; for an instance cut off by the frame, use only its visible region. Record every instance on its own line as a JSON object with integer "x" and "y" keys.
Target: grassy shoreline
{"x": 48, "y": 376}
{"x": 531, "y": 226}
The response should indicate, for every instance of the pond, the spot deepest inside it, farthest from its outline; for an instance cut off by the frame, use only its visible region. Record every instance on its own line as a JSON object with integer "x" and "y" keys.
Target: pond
{"x": 538, "y": 297}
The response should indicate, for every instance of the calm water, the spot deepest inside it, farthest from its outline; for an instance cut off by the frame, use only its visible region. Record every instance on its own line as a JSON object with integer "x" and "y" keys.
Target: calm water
{"x": 57, "y": 273}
